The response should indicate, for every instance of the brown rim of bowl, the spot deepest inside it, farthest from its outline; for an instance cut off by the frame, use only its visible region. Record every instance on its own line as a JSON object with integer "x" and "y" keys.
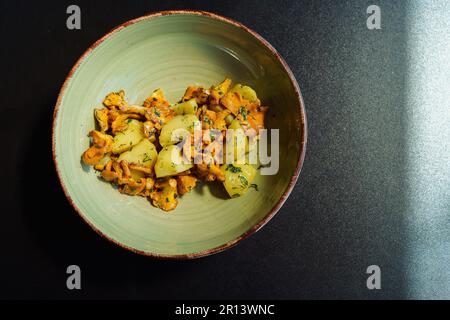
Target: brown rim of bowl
{"x": 301, "y": 122}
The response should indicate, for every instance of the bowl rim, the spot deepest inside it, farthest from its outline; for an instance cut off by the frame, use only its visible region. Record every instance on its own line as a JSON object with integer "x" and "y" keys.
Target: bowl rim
{"x": 301, "y": 122}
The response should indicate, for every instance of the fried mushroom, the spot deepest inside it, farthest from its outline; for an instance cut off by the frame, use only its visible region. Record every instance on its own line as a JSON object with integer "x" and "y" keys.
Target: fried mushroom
{"x": 101, "y": 145}
{"x": 101, "y": 115}
{"x": 185, "y": 183}
{"x": 164, "y": 194}
{"x": 115, "y": 99}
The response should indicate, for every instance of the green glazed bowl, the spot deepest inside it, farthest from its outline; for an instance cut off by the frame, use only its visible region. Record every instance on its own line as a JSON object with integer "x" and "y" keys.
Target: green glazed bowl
{"x": 172, "y": 50}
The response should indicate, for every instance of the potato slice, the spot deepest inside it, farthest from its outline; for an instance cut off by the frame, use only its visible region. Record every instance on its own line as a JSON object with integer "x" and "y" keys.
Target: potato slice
{"x": 170, "y": 162}
{"x": 187, "y": 122}
{"x": 246, "y": 92}
{"x": 187, "y": 107}
{"x": 131, "y": 136}
{"x": 239, "y": 96}
{"x": 144, "y": 153}
{"x": 238, "y": 178}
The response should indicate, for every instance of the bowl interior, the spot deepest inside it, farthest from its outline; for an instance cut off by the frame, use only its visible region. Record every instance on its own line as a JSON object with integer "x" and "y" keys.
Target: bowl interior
{"x": 172, "y": 52}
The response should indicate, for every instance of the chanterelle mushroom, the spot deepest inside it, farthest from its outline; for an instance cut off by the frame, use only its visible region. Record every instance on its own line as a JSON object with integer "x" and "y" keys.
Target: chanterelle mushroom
{"x": 134, "y": 109}
{"x": 108, "y": 174}
{"x": 186, "y": 183}
{"x": 209, "y": 172}
{"x": 93, "y": 155}
{"x": 158, "y": 109}
{"x": 164, "y": 194}
{"x": 120, "y": 123}
{"x": 134, "y": 187}
{"x": 100, "y": 139}
{"x": 102, "y": 118}
{"x": 101, "y": 145}
{"x": 115, "y": 99}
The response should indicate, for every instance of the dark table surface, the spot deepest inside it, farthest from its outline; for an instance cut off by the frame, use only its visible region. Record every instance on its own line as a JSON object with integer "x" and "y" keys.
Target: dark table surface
{"x": 374, "y": 188}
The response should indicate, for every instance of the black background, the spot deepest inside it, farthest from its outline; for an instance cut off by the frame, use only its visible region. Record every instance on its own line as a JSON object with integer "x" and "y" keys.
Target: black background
{"x": 345, "y": 213}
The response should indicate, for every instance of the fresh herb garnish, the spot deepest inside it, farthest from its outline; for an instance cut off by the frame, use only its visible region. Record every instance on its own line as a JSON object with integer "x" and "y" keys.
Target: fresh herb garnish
{"x": 254, "y": 185}
{"x": 167, "y": 200}
{"x": 129, "y": 120}
{"x": 157, "y": 113}
{"x": 214, "y": 134}
{"x": 244, "y": 181}
{"x": 243, "y": 111}
{"x": 233, "y": 168}
{"x": 146, "y": 157}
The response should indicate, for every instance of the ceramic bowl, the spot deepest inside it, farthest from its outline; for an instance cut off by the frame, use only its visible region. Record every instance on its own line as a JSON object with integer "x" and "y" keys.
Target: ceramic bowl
{"x": 172, "y": 50}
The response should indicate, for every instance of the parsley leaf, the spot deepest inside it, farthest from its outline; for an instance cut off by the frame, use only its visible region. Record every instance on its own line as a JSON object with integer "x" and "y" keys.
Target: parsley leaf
{"x": 244, "y": 181}
{"x": 233, "y": 168}
{"x": 243, "y": 111}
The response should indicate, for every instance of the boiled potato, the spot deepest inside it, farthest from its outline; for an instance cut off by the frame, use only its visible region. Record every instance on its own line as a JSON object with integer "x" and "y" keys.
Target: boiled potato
{"x": 187, "y": 107}
{"x": 178, "y": 108}
{"x": 246, "y": 92}
{"x": 170, "y": 162}
{"x": 235, "y": 125}
{"x": 238, "y": 178}
{"x": 239, "y": 96}
{"x": 186, "y": 122}
{"x": 131, "y": 136}
{"x": 144, "y": 153}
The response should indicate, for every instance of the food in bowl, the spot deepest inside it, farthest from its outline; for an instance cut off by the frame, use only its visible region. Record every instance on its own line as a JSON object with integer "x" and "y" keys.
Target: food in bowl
{"x": 160, "y": 150}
